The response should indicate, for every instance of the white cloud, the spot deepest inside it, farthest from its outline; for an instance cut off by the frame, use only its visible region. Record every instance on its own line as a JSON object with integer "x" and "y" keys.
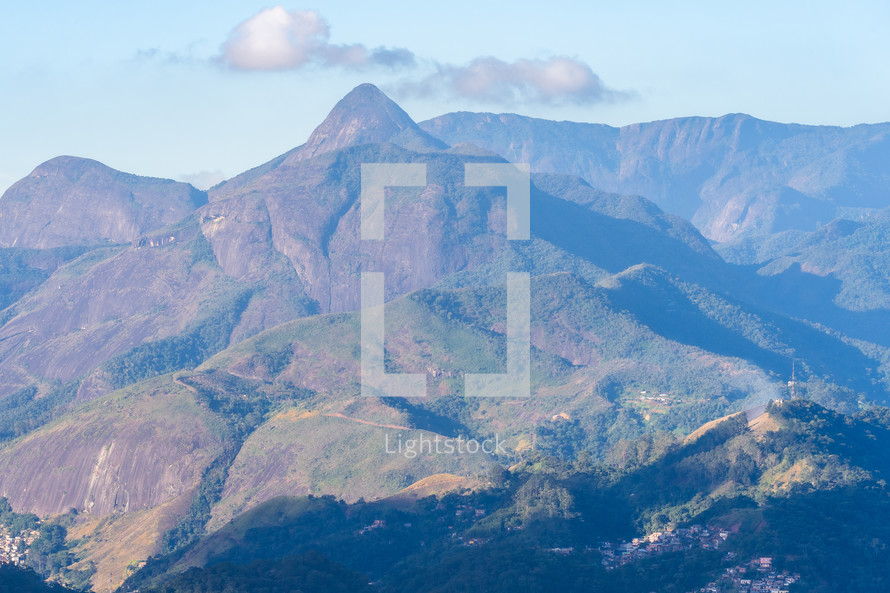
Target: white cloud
{"x": 279, "y": 39}
{"x": 203, "y": 179}
{"x": 556, "y": 80}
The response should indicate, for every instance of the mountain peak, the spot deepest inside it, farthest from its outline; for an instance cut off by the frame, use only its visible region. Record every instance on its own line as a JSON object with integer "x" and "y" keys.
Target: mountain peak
{"x": 70, "y": 168}
{"x": 367, "y": 116}
{"x": 367, "y": 92}
{"x": 76, "y": 201}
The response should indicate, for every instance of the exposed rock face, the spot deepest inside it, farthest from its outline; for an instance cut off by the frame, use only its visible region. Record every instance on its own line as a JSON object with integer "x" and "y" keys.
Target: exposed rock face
{"x": 104, "y": 304}
{"x": 116, "y": 298}
{"x": 75, "y": 201}
{"x": 123, "y": 453}
{"x": 309, "y": 212}
{"x": 305, "y": 205}
{"x": 732, "y": 175}
{"x": 288, "y": 232}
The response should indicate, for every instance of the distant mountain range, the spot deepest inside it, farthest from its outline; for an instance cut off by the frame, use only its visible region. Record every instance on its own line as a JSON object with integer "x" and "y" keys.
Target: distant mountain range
{"x": 170, "y": 359}
{"x": 733, "y": 176}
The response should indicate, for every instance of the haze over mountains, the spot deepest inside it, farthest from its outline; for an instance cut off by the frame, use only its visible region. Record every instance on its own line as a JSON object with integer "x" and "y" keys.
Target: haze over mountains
{"x": 732, "y": 176}
{"x": 170, "y": 358}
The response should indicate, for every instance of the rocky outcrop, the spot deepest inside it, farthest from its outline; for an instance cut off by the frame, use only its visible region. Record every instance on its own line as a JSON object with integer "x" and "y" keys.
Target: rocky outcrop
{"x": 75, "y": 201}
{"x": 121, "y": 453}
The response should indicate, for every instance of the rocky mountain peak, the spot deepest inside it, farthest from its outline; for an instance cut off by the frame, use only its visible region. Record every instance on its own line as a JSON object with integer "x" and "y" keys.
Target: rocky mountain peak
{"x": 366, "y": 116}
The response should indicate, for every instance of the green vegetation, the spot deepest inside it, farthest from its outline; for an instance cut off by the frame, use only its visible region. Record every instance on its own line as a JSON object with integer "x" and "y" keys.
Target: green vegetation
{"x": 307, "y": 573}
{"x": 640, "y": 333}
{"x": 242, "y": 411}
{"x": 16, "y": 522}
{"x": 836, "y": 539}
{"x": 191, "y": 526}
{"x": 49, "y": 554}
{"x": 24, "y": 269}
{"x": 184, "y": 351}
{"x": 23, "y": 410}
{"x": 539, "y": 526}
{"x": 21, "y": 580}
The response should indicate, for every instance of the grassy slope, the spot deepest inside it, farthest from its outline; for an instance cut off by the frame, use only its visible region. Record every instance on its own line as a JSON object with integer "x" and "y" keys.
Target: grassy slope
{"x": 726, "y": 478}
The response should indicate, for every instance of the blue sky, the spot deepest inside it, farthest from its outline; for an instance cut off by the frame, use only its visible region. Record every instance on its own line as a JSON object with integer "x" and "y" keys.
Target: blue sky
{"x": 196, "y": 91}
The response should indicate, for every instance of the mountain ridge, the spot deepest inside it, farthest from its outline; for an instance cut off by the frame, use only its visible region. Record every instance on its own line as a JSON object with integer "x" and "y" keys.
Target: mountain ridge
{"x": 713, "y": 171}
{"x": 243, "y": 316}
{"x": 75, "y": 201}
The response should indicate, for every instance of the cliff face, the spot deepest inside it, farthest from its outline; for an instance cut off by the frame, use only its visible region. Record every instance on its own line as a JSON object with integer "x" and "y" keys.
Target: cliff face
{"x": 75, "y": 201}
{"x": 305, "y": 206}
{"x": 311, "y": 216}
{"x": 104, "y": 303}
{"x": 123, "y": 453}
{"x": 114, "y": 299}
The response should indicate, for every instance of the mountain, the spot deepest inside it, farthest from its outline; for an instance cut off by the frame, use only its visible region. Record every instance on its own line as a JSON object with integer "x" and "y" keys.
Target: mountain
{"x": 854, "y": 252}
{"x": 112, "y": 300}
{"x": 791, "y": 481}
{"x": 364, "y": 116}
{"x": 291, "y": 390}
{"x": 21, "y": 270}
{"x": 733, "y": 176}
{"x": 74, "y": 201}
{"x": 367, "y": 116}
{"x": 152, "y": 391}
{"x": 304, "y": 205}
{"x": 129, "y": 463}
{"x": 149, "y": 446}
